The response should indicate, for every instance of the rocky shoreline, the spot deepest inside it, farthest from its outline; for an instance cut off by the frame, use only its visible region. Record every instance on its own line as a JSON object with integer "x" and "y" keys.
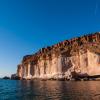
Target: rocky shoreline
{"x": 75, "y": 59}
{"x": 77, "y": 78}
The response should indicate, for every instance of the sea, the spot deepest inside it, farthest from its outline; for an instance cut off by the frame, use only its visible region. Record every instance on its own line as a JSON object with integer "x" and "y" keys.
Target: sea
{"x": 49, "y": 90}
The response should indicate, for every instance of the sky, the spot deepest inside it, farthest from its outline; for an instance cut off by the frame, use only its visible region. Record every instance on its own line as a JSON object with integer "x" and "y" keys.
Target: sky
{"x": 28, "y": 25}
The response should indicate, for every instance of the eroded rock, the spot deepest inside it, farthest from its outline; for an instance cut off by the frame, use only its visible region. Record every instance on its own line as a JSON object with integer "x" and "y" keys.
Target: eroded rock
{"x": 80, "y": 56}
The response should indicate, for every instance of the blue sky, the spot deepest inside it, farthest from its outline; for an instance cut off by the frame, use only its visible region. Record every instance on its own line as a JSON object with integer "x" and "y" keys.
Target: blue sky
{"x": 28, "y": 25}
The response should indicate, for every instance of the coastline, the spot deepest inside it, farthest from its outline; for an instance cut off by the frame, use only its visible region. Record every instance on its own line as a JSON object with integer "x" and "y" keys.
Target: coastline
{"x": 74, "y": 59}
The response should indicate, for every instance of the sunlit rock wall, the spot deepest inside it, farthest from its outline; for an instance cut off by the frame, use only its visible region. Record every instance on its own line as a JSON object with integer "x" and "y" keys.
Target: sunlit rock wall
{"x": 79, "y": 55}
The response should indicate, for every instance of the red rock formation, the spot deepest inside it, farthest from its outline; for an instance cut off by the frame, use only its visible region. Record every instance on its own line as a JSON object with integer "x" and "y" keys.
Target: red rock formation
{"x": 80, "y": 55}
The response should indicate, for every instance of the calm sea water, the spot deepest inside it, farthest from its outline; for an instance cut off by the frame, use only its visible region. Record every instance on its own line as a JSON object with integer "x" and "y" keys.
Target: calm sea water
{"x": 49, "y": 90}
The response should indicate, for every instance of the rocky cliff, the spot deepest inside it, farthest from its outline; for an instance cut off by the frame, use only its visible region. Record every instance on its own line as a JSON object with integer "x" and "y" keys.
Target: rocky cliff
{"x": 78, "y": 56}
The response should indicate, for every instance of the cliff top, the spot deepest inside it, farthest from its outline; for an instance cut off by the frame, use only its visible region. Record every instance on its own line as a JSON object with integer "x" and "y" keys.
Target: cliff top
{"x": 67, "y": 47}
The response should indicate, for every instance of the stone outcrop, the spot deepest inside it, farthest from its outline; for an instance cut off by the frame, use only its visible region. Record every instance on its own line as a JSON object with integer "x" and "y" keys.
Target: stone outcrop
{"x": 80, "y": 56}
{"x": 15, "y": 77}
{"x": 6, "y": 78}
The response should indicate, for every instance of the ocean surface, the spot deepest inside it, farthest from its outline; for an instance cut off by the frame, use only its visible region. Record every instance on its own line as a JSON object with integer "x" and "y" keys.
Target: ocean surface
{"x": 49, "y": 90}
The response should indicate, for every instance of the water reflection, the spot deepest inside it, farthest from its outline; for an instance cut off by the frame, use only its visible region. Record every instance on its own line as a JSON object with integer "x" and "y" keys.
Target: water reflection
{"x": 49, "y": 90}
{"x": 59, "y": 90}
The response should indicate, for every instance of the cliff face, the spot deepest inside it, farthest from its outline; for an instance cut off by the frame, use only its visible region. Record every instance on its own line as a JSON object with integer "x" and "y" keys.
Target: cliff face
{"x": 79, "y": 55}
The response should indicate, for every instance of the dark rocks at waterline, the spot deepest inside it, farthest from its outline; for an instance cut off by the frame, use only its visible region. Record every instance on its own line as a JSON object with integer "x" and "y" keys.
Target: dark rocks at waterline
{"x": 86, "y": 78}
{"x": 75, "y": 77}
{"x": 6, "y": 77}
{"x": 15, "y": 77}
